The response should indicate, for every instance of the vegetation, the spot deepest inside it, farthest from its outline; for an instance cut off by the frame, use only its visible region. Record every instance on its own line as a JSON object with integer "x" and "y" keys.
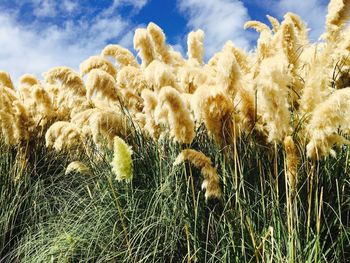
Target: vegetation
{"x": 241, "y": 159}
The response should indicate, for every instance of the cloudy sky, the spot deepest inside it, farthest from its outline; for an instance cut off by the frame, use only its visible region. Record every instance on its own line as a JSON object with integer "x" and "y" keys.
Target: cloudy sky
{"x": 36, "y": 35}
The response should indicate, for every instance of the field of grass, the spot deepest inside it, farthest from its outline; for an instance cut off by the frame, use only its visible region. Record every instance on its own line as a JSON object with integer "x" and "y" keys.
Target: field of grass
{"x": 162, "y": 216}
{"x": 161, "y": 158}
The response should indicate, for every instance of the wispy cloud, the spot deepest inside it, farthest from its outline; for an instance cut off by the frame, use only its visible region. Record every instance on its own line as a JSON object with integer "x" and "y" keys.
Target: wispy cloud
{"x": 69, "y": 6}
{"x": 44, "y": 8}
{"x": 221, "y": 20}
{"x": 38, "y": 46}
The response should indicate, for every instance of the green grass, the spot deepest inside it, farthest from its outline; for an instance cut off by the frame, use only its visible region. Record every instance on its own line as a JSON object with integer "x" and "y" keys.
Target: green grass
{"x": 162, "y": 216}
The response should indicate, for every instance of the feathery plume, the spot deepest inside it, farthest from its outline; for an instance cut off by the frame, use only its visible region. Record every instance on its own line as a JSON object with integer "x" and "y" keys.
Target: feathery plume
{"x": 292, "y": 162}
{"x": 212, "y": 107}
{"x": 131, "y": 78}
{"x": 5, "y": 80}
{"x": 274, "y": 22}
{"x": 150, "y": 103}
{"x": 41, "y": 107}
{"x": 101, "y": 85}
{"x": 102, "y": 125}
{"x": 228, "y": 71}
{"x": 28, "y": 80}
{"x": 158, "y": 75}
{"x": 327, "y": 119}
{"x": 23, "y": 125}
{"x": 132, "y": 100}
{"x": 242, "y": 59}
{"x": 273, "y": 97}
{"x": 123, "y": 56}
{"x": 70, "y": 80}
{"x": 211, "y": 182}
{"x": 289, "y": 42}
{"x": 143, "y": 44}
{"x": 195, "y": 46}
{"x": 178, "y": 117}
{"x": 338, "y": 13}
{"x": 191, "y": 78}
{"x": 97, "y": 62}
{"x": 77, "y": 167}
{"x": 257, "y": 25}
{"x": 176, "y": 58}
{"x": 263, "y": 50}
{"x": 318, "y": 79}
{"x": 6, "y": 125}
{"x": 299, "y": 25}
{"x": 122, "y": 161}
{"x": 8, "y": 96}
{"x": 159, "y": 41}
{"x": 63, "y": 135}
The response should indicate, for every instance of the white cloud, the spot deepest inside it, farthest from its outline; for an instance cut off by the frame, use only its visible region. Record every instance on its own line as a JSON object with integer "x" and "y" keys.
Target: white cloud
{"x": 37, "y": 47}
{"x": 69, "y": 6}
{"x": 137, "y": 5}
{"x": 221, "y": 20}
{"x": 313, "y": 12}
{"x": 44, "y": 8}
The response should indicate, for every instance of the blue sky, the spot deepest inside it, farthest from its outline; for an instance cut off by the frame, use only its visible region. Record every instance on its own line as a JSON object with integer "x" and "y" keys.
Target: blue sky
{"x": 36, "y": 35}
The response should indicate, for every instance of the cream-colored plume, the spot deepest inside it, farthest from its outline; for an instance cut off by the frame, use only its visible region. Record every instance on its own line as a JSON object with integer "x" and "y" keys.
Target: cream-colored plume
{"x": 41, "y": 107}
{"x": 263, "y": 46}
{"x": 5, "y": 80}
{"x": 102, "y": 125}
{"x": 143, "y": 43}
{"x": 272, "y": 97}
{"x": 7, "y": 130}
{"x": 100, "y": 85}
{"x": 132, "y": 101}
{"x": 300, "y": 28}
{"x": 215, "y": 109}
{"x": 150, "y": 102}
{"x": 24, "y": 126}
{"x": 292, "y": 161}
{"x": 77, "y": 167}
{"x": 338, "y": 14}
{"x": 123, "y": 56}
{"x": 159, "y": 41}
{"x": 131, "y": 78}
{"x": 191, "y": 78}
{"x": 195, "y": 46}
{"x": 328, "y": 118}
{"x": 228, "y": 70}
{"x": 97, "y": 62}
{"x": 173, "y": 111}
{"x": 211, "y": 183}
{"x": 29, "y": 80}
{"x": 63, "y": 135}
{"x": 159, "y": 74}
{"x": 69, "y": 80}
{"x": 274, "y": 22}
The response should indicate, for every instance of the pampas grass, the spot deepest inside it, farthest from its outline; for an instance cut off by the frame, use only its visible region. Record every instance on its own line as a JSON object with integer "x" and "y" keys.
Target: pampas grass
{"x": 266, "y": 130}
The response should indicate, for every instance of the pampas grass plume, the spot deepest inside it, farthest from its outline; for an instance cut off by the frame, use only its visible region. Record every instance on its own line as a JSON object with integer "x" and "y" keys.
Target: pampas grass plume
{"x": 143, "y": 43}
{"x": 178, "y": 117}
{"x": 195, "y": 46}
{"x": 97, "y": 62}
{"x": 211, "y": 182}
{"x": 123, "y": 56}
{"x": 5, "y": 80}
{"x": 122, "y": 161}
{"x": 77, "y": 167}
